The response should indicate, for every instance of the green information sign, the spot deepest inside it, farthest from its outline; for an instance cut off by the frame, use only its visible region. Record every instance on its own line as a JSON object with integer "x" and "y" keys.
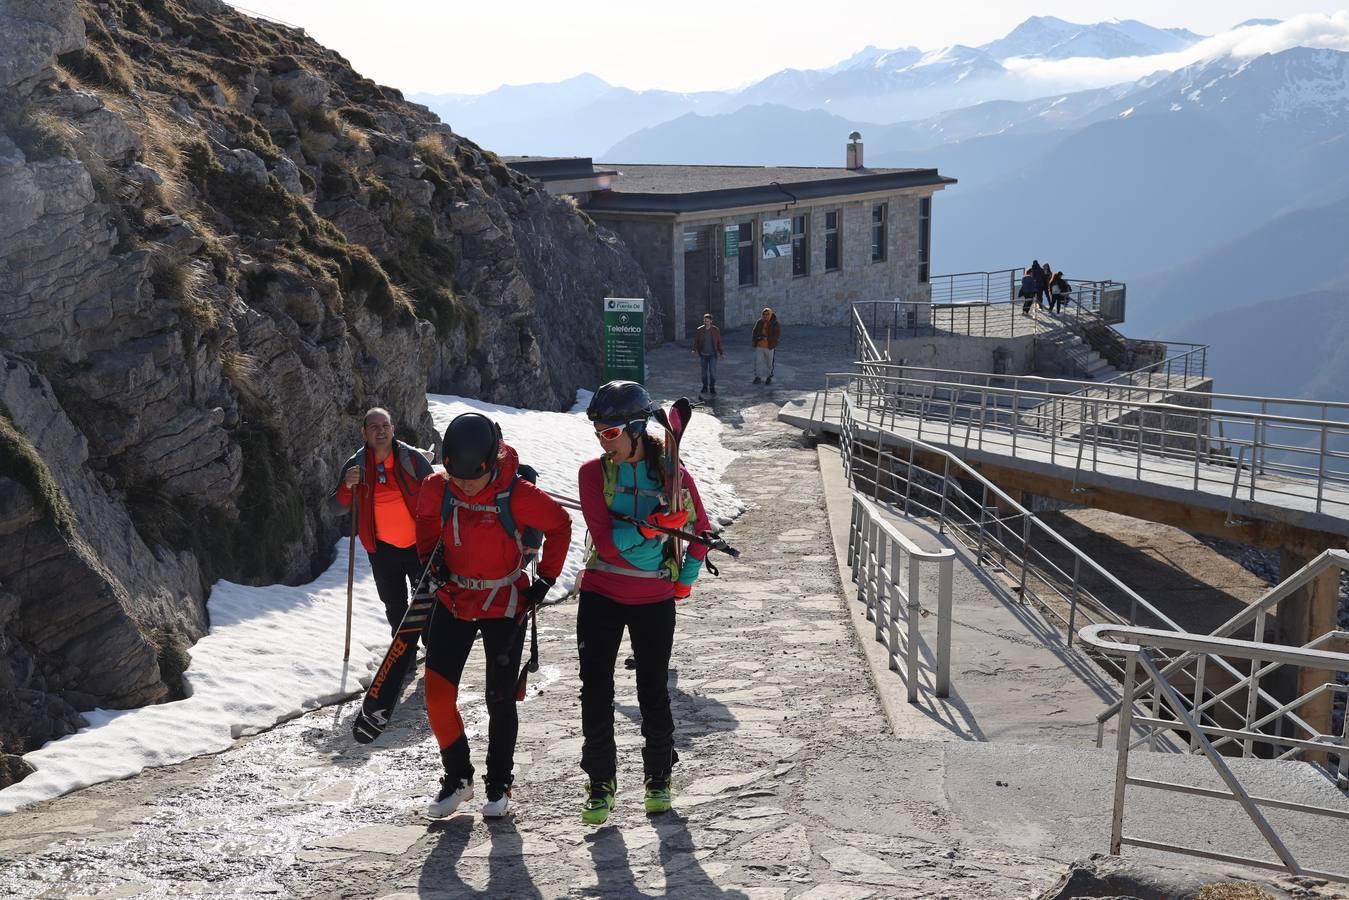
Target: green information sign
{"x": 732, "y": 240}
{"x": 624, "y": 339}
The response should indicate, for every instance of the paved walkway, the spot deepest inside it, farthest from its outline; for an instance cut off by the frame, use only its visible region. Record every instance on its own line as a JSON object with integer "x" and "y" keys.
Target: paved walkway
{"x": 790, "y": 783}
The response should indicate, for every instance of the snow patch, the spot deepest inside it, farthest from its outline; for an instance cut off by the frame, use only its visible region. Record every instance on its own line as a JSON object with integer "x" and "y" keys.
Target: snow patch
{"x": 275, "y": 652}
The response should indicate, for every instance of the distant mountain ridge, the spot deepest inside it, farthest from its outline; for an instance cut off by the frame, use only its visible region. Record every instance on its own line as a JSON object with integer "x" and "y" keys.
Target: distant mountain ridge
{"x": 584, "y": 115}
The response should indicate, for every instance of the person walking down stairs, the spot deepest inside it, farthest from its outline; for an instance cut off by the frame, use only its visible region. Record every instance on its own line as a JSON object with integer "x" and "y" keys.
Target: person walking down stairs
{"x": 767, "y": 333}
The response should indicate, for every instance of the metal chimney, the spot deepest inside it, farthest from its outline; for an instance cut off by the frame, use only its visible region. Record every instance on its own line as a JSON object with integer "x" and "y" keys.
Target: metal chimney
{"x": 855, "y": 150}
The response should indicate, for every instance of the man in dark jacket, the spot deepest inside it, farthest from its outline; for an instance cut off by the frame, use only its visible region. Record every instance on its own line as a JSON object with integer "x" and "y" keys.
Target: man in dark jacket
{"x": 707, "y": 347}
{"x": 385, "y": 476}
{"x": 767, "y": 333}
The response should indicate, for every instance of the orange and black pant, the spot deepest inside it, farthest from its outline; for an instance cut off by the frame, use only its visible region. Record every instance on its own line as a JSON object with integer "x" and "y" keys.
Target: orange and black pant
{"x": 600, "y": 621}
{"x": 449, "y": 641}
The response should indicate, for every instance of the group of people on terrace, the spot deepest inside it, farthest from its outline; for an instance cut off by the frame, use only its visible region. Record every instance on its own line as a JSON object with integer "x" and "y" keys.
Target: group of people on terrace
{"x": 766, "y": 334}
{"x": 1041, "y": 285}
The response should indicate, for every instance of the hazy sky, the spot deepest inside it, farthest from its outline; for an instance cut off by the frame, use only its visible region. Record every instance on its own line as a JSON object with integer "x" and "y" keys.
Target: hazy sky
{"x": 458, "y": 47}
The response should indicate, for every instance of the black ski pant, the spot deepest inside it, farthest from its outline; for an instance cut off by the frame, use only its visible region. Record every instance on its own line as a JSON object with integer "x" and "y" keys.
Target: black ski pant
{"x": 449, "y": 643}
{"x": 396, "y": 571}
{"x": 600, "y": 622}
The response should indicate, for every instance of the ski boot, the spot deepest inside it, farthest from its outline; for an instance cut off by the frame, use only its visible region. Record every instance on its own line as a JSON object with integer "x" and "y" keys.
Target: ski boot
{"x": 599, "y": 802}
{"x": 659, "y": 794}
{"x": 498, "y": 800}
{"x": 453, "y": 792}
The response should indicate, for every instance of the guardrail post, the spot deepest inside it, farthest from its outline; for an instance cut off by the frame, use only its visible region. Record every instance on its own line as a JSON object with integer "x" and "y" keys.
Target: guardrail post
{"x": 945, "y": 570}
{"x": 913, "y": 613}
{"x": 1025, "y": 553}
{"x": 885, "y": 584}
{"x": 908, "y": 481}
{"x": 1321, "y": 465}
{"x": 945, "y": 479}
{"x": 1072, "y": 603}
{"x": 1199, "y": 667}
{"x": 1126, "y": 718}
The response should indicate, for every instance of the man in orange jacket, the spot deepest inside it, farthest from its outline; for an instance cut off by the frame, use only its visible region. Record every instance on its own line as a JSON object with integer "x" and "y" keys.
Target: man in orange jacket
{"x": 386, "y": 475}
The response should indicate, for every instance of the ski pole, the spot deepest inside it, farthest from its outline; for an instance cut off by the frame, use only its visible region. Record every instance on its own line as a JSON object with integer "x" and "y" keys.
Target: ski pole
{"x": 351, "y": 574}
{"x": 710, "y": 539}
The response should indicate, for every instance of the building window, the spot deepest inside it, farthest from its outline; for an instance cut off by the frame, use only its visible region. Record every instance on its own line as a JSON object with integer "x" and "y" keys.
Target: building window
{"x": 800, "y": 247}
{"x": 924, "y": 238}
{"x": 748, "y": 258}
{"x": 832, "y": 254}
{"x": 878, "y": 232}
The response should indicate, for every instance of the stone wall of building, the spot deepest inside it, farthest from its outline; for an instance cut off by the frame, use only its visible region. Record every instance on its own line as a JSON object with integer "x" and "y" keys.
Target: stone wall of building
{"x": 820, "y": 297}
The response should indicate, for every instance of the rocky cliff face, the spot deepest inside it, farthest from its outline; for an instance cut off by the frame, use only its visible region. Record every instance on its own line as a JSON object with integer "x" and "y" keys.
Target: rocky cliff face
{"x": 218, "y": 246}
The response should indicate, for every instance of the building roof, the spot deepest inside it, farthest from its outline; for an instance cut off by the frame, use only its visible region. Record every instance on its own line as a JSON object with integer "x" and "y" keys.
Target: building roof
{"x": 657, "y": 188}
{"x": 555, "y": 168}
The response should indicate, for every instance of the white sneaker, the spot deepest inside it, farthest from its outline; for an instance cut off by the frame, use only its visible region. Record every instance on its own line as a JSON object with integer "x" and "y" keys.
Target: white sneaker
{"x": 497, "y": 803}
{"x": 452, "y": 793}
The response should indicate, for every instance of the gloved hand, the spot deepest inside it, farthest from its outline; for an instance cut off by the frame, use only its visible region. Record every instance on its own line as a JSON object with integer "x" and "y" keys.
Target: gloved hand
{"x": 535, "y": 593}
{"x": 676, "y": 519}
{"x": 439, "y": 570}
{"x": 682, "y": 591}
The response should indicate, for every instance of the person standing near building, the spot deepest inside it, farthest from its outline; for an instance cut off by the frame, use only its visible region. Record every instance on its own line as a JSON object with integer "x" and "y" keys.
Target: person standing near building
{"x": 767, "y": 333}
{"x": 487, "y": 520}
{"x": 707, "y": 347}
{"x": 385, "y": 476}
{"x": 631, "y": 580}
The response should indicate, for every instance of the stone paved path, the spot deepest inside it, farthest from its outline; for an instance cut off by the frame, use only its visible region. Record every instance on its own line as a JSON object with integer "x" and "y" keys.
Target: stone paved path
{"x": 790, "y": 783}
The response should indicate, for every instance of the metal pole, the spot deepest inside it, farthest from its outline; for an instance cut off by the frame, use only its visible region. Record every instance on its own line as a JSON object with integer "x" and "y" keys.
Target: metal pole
{"x": 914, "y": 613}
{"x": 1126, "y": 718}
{"x": 1025, "y": 553}
{"x": 351, "y": 574}
{"x": 1072, "y": 604}
{"x": 941, "y": 515}
{"x": 1199, "y": 667}
{"x": 944, "y": 577}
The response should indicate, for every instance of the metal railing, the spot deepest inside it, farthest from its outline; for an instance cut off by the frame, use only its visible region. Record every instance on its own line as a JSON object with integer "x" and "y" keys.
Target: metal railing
{"x": 1142, "y": 362}
{"x": 1006, "y": 538}
{"x": 1140, "y": 649}
{"x": 1294, "y": 462}
{"x": 1283, "y": 729}
{"x": 887, "y": 569}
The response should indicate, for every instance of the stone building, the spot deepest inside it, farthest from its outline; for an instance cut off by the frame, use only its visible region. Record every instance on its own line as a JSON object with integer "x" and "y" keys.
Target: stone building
{"x": 730, "y": 240}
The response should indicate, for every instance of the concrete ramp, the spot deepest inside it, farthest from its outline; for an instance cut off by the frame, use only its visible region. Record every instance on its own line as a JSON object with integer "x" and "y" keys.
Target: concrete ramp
{"x": 1057, "y": 799}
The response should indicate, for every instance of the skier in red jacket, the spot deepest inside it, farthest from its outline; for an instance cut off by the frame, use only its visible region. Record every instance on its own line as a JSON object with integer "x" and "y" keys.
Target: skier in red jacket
{"x": 485, "y": 517}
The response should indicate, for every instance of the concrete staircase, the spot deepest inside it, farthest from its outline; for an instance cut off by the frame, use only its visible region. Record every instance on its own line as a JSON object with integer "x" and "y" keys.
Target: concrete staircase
{"x": 1060, "y": 349}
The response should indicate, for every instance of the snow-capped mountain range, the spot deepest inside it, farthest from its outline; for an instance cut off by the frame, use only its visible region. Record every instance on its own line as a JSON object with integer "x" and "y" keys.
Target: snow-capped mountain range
{"x": 584, "y": 114}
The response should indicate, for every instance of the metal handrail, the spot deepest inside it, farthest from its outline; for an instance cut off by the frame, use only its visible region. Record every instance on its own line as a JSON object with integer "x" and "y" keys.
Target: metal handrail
{"x": 955, "y": 375}
{"x": 887, "y": 568}
{"x": 954, "y": 466}
{"x": 865, "y": 411}
{"x": 1122, "y": 434}
{"x": 1254, "y": 614}
{"x": 1137, "y": 645}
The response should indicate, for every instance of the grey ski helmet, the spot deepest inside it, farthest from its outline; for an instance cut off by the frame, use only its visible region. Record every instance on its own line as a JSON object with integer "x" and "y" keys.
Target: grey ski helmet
{"x": 470, "y": 446}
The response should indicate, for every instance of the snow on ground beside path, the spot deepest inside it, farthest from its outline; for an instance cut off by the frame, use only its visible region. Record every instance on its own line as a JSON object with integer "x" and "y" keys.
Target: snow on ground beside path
{"x": 276, "y": 652}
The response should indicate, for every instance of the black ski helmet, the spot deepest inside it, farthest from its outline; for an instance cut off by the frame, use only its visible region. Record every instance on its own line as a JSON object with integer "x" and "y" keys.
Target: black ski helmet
{"x": 621, "y": 402}
{"x": 470, "y": 446}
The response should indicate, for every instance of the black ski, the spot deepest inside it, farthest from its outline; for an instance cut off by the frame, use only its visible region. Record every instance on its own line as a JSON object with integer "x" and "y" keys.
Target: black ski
{"x": 386, "y": 687}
